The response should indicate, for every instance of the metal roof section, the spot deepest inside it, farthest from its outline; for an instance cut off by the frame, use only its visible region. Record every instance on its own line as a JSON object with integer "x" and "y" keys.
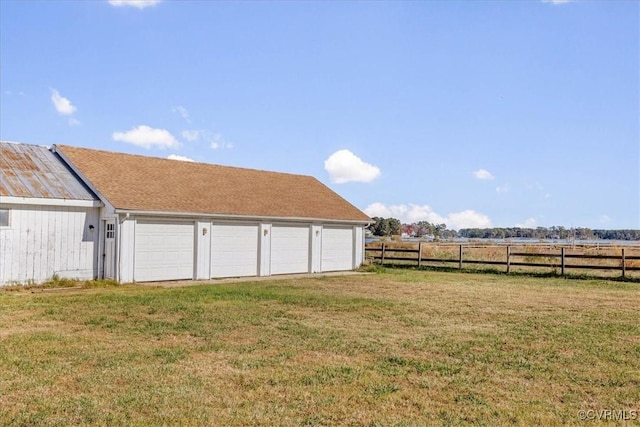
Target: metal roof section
{"x": 32, "y": 171}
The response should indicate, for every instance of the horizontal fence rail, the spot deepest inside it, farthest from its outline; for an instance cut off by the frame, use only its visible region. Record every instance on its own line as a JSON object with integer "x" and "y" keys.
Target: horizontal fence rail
{"x": 412, "y": 254}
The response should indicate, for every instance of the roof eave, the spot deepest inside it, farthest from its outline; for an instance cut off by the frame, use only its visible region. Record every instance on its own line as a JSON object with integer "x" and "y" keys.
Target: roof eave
{"x": 239, "y": 217}
{"x": 18, "y": 200}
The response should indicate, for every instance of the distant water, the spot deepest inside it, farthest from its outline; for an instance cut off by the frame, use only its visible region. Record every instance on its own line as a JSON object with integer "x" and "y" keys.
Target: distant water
{"x": 596, "y": 242}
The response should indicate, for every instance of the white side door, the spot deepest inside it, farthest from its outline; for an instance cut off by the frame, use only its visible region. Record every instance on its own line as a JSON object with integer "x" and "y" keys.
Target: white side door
{"x": 109, "y": 253}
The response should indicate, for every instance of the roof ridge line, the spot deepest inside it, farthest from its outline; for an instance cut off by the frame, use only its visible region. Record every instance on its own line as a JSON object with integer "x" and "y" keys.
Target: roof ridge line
{"x": 62, "y": 146}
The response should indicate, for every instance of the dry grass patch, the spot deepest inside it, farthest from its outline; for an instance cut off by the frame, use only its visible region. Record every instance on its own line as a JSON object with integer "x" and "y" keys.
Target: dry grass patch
{"x": 400, "y": 347}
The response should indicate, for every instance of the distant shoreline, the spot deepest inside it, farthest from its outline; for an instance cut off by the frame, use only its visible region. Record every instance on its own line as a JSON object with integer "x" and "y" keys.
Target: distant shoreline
{"x": 565, "y": 242}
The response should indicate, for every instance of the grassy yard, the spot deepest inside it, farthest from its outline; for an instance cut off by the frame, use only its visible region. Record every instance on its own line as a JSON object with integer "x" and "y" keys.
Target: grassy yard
{"x": 399, "y": 347}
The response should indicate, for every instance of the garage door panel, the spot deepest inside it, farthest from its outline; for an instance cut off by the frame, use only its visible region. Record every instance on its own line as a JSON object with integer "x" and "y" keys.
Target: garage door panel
{"x": 337, "y": 248}
{"x": 234, "y": 250}
{"x": 289, "y": 249}
{"x": 164, "y": 251}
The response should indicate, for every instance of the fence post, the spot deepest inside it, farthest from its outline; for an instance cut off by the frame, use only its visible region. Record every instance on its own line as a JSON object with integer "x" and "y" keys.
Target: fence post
{"x": 460, "y": 264}
{"x": 382, "y": 257}
{"x": 419, "y": 254}
{"x": 508, "y": 259}
{"x": 624, "y": 267}
{"x": 562, "y": 261}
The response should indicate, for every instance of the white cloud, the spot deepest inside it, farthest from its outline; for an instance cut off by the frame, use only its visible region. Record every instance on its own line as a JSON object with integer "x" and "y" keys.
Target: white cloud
{"x": 147, "y": 137}
{"x": 344, "y": 166}
{"x": 178, "y": 157}
{"x": 140, "y": 4}
{"x": 605, "y": 219}
{"x": 216, "y": 141}
{"x": 183, "y": 113}
{"x": 536, "y": 186}
{"x": 73, "y": 121}
{"x": 405, "y": 213}
{"x": 468, "y": 219}
{"x": 528, "y": 223}
{"x": 557, "y": 1}
{"x": 190, "y": 135}
{"x": 410, "y": 213}
{"x": 502, "y": 189}
{"x": 62, "y": 104}
{"x": 483, "y": 174}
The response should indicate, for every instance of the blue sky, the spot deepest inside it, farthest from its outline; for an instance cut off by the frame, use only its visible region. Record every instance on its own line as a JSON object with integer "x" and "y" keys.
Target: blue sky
{"x": 471, "y": 113}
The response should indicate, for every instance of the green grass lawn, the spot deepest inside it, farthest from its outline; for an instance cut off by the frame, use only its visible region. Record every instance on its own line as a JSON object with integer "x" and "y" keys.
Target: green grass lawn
{"x": 400, "y": 347}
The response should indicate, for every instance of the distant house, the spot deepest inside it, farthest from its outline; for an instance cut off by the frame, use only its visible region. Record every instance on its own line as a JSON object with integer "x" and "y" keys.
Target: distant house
{"x": 49, "y": 220}
{"x": 161, "y": 219}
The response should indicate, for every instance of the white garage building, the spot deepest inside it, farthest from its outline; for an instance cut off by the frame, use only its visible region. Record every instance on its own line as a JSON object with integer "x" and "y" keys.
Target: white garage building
{"x": 169, "y": 220}
{"x": 49, "y": 221}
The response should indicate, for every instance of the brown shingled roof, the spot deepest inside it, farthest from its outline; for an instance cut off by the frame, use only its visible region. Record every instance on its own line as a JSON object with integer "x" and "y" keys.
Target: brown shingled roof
{"x": 132, "y": 182}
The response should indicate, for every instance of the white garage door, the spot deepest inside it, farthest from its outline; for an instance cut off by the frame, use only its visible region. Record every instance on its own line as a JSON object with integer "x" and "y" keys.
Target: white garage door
{"x": 289, "y": 249}
{"x": 337, "y": 248}
{"x": 234, "y": 250}
{"x": 164, "y": 251}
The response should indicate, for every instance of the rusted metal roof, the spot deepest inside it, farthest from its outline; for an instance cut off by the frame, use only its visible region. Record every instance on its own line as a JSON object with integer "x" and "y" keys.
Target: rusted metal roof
{"x": 35, "y": 172}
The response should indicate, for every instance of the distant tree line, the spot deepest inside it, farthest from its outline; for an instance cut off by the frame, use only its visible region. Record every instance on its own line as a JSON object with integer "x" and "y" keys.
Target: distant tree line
{"x": 424, "y": 229}
{"x": 555, "y": 232}
{"x": 393, "y": 227}
{"x": 385, "y": 226}
{"x": 618, "y": 234}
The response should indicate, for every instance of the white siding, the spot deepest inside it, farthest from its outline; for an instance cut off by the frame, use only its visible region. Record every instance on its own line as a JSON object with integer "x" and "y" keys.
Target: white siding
{"x": 234, "y": 250}
{"x": 337, "y": 248}
{"x": 203, "y": 249}
{"x": 125, "y": 248}
{"x": 265, "y": 249}
{"x": 43, "y": 241}
{"x": 359, "y": 246}
{"x": 316, "y": 248}
{"x": 163, "y": 250}
{"x": 289, "y": 249}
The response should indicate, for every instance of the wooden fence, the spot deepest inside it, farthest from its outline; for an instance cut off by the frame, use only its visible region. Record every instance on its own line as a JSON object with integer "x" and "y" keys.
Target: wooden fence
{"x": 513, "y": 256}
